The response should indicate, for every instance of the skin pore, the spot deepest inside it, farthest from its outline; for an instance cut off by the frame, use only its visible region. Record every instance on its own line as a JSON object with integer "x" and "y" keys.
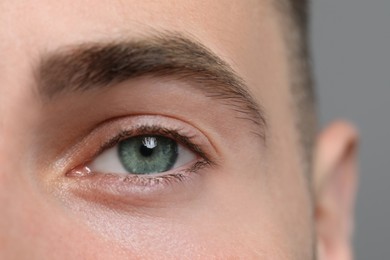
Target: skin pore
{"x": 77, "y": 77}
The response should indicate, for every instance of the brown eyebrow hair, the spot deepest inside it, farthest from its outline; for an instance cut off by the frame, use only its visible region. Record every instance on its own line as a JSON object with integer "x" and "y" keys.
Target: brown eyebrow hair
{"x": 89, "y": 66}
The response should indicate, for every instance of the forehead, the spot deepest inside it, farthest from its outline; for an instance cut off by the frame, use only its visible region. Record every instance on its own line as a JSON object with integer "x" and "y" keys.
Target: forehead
{"x": 55, "y": 20}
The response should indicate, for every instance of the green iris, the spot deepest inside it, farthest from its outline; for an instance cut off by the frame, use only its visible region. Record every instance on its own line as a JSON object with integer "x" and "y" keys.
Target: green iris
{"x": 147, "y": 154}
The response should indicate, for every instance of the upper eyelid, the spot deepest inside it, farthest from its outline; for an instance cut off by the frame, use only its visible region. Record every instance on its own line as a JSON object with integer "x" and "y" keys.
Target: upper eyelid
{"x": 182, "y": 120}
{"x": 104, "y": 130}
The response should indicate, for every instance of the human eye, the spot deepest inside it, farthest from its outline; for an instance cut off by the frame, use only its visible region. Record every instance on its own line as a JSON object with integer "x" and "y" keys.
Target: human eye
{"x": 141, "y": 156}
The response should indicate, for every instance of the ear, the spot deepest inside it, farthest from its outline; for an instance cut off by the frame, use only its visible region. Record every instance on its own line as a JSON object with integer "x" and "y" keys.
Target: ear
{"x": 335, "y": 182}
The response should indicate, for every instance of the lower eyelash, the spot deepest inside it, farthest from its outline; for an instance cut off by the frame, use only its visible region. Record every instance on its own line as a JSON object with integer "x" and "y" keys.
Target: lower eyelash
{"x": 154, "y": 180}
{"x": 138, "y": 180}
{"x": 133, "y": 190}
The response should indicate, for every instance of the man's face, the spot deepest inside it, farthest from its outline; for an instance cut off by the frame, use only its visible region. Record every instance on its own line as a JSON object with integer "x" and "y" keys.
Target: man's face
{"x": 214, "y": 159}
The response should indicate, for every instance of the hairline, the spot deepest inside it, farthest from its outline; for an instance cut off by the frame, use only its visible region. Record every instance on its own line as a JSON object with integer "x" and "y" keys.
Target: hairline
{"x": 294, "y": 22}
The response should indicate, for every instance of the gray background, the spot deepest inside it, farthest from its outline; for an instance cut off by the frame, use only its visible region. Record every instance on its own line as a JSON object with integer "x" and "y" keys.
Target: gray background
{"x": 351, "y": 48}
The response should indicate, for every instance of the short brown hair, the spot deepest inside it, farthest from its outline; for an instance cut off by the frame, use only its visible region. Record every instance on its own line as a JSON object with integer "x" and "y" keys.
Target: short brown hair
{"x": 296, "y": 23}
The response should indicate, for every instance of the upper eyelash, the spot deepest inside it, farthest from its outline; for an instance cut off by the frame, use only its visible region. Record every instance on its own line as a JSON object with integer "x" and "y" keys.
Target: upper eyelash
{"x": 155, "y": 130}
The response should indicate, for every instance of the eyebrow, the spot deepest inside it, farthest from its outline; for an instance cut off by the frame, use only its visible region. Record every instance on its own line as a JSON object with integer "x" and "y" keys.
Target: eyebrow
{"x": 89, "y": 66}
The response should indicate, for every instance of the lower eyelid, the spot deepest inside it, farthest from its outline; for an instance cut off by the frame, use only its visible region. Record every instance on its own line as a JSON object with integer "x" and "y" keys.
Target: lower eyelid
{"x": 135, "y": 191}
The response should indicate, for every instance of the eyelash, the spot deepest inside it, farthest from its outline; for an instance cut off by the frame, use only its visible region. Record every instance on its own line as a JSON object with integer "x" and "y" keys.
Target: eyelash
{"x": 155, "y": 130}
{"x": 152, "y": 179}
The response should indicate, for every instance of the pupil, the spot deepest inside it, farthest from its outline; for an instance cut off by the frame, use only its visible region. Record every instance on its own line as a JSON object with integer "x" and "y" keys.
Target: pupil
{"x": 145, "y": 151}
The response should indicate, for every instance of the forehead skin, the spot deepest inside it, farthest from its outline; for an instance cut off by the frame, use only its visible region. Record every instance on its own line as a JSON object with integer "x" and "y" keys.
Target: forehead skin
{"x": 260, "y": 210}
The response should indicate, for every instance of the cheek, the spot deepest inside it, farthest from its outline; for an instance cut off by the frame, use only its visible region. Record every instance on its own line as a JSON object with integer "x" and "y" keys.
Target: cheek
{"x": 33, "y": 227}
{"x": 261, "y": 197}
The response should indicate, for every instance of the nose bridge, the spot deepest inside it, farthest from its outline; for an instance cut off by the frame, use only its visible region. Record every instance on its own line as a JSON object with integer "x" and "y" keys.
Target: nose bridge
{"x": 12, "y": 205}
{"x": 12, "y": 198}
{"x": 16, "y": 191}
{"x": 22, "y": 217}
{"x": 21, "y": 209}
